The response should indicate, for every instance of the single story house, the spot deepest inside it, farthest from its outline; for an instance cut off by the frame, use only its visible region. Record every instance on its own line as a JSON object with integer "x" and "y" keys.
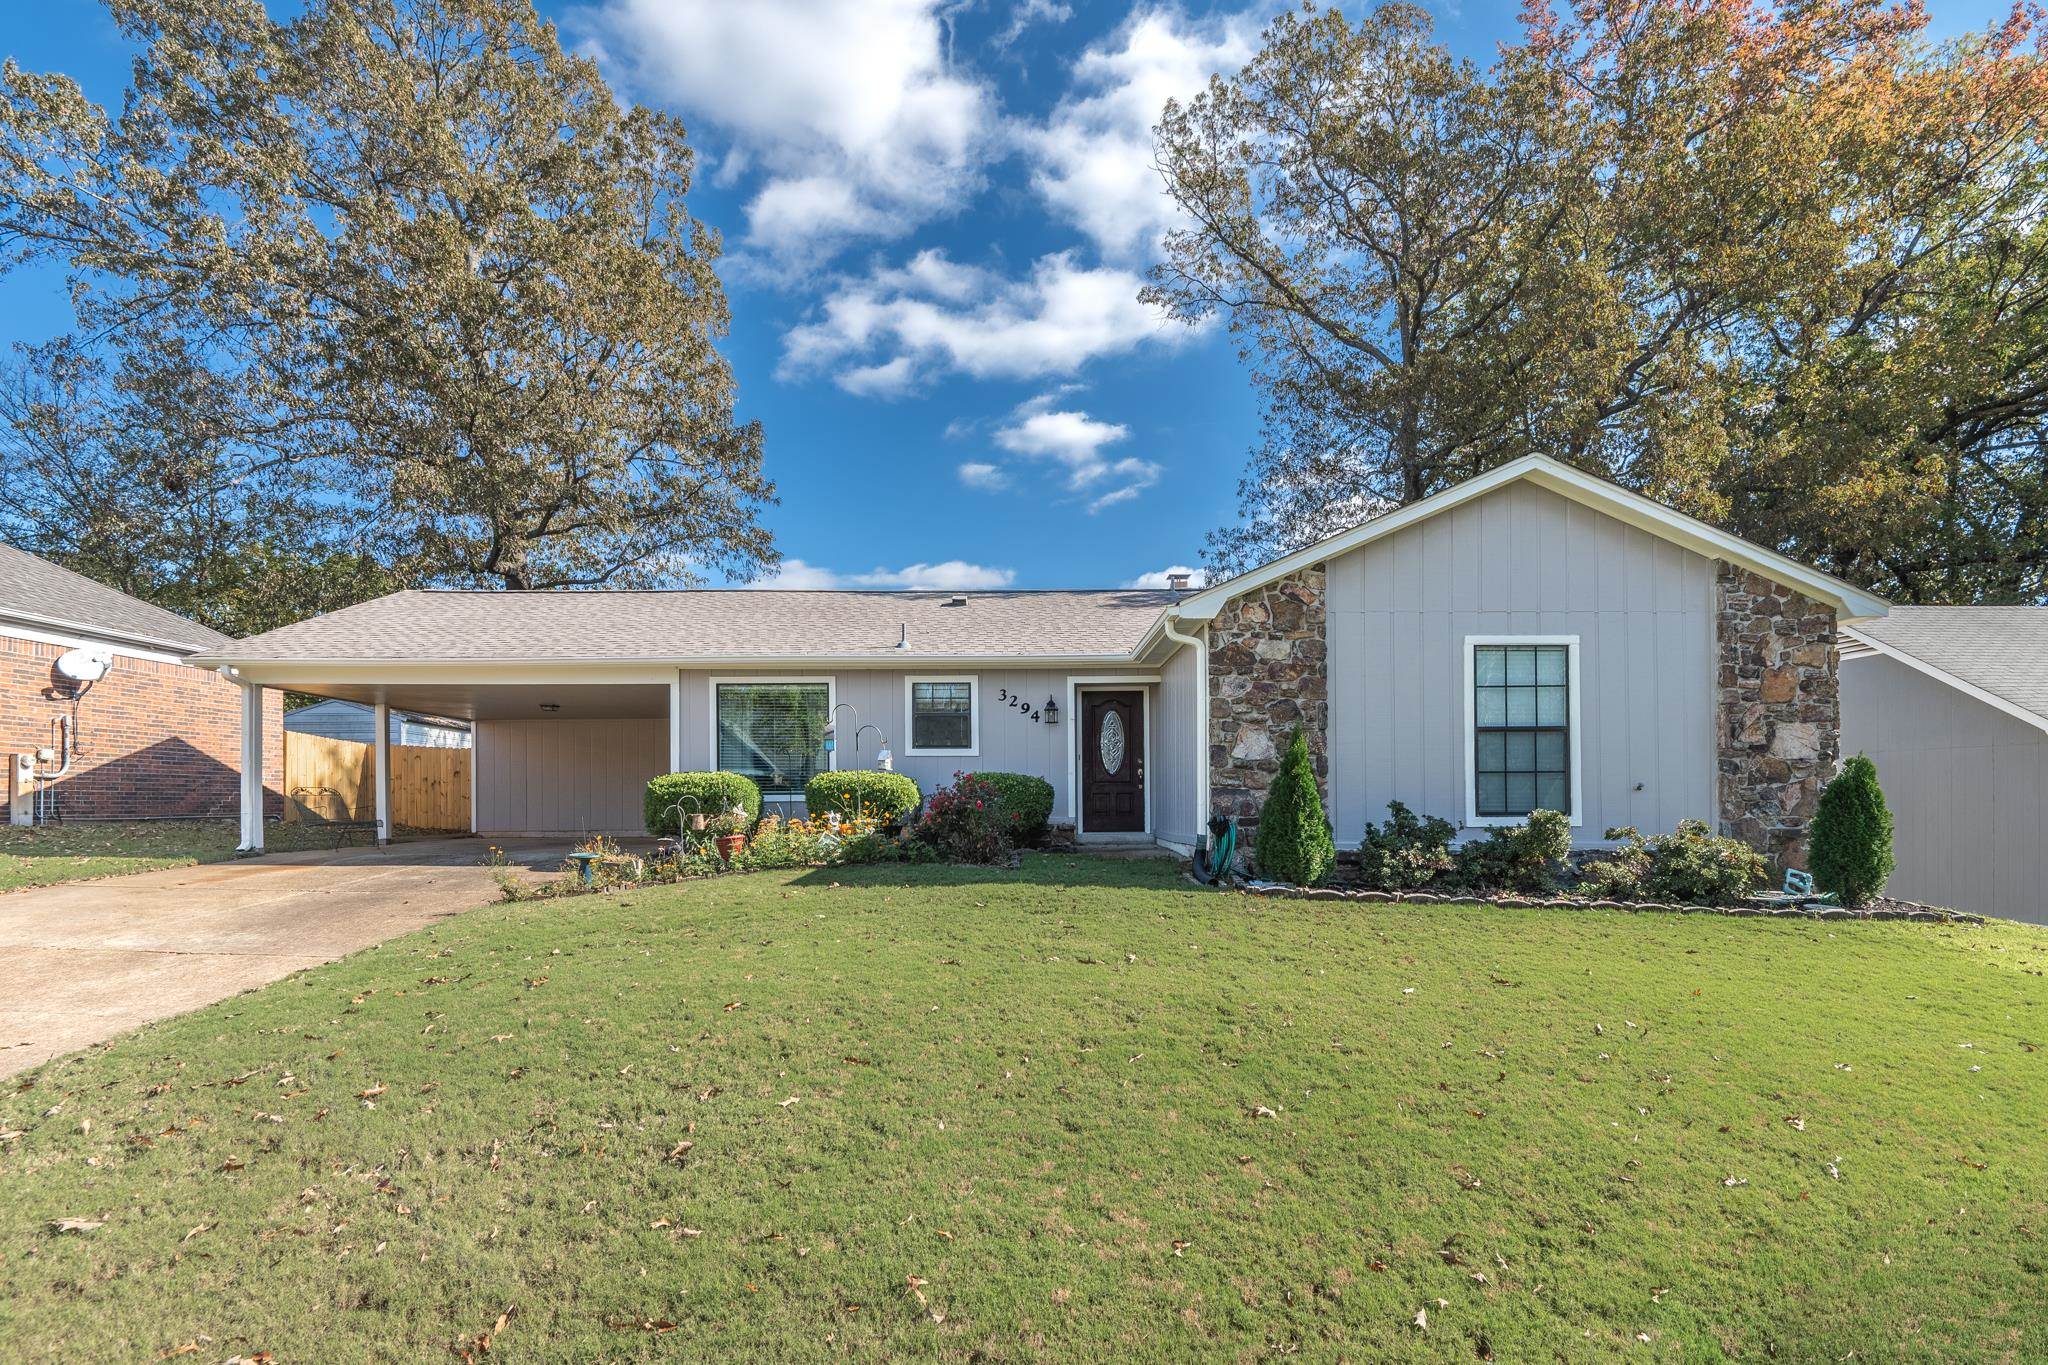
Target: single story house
{"x": 1951, "y": 703}
{"x": 131, "y": 728}
{"x": 1535, "y": 637}
{"x": 357, "y": 723}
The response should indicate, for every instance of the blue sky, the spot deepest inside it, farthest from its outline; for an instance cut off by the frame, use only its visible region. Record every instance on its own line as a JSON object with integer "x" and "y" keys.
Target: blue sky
{"x": 937, "y": 215}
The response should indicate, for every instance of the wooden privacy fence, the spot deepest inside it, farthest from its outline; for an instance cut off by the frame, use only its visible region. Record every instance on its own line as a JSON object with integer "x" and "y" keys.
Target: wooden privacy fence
{"x": 336, "y": 779}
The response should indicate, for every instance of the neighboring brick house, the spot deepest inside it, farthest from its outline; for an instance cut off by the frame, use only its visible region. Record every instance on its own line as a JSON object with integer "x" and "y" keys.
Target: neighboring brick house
{"x": 154, "y": 737}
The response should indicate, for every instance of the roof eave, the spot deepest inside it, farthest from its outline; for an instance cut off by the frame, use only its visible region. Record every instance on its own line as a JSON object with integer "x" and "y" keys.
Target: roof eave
{"x": 1942, "y": 675}
{"x": 111, "y": 634}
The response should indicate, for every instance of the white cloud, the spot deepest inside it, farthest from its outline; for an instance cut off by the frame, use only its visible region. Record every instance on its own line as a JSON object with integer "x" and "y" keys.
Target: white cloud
{"x": 988, "y": 478}
{"x": 1197, "y": 578}
{"x": 954, "y": 575}
{"x": 1075, "y": 441}
{"x": 1093, "y": 157}
{"x": 1025, "y": 13}
{"x": 945, "y": 316}
{"x": 852, "y": 110}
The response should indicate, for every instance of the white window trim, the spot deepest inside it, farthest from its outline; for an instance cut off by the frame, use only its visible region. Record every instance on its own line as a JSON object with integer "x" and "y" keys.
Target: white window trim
{"x": 1473, "y": 819}
{"x": 973, "y": 749}
{"x": 711, "y": 724}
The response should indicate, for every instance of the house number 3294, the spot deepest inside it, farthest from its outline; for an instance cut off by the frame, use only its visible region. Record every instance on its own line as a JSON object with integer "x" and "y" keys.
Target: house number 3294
{"x": 1018, "y": 704}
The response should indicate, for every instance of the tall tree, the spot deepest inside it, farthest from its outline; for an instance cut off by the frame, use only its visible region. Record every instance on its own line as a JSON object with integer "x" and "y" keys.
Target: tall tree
{"x": 1782, "y": 265}
{"x": 448, "y": 284}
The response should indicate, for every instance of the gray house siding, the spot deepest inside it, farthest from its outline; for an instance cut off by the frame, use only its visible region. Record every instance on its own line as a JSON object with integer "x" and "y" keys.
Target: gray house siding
{"x": 352, "y": 720}
{"x": 1178, "y": 750}
{"x": 554, "y": 776}
{"x": 1522, "y": 561}
{"x": 1965, "y": 783}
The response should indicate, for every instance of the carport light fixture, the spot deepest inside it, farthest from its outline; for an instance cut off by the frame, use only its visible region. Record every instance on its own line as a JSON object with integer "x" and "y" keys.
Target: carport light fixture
{"x": 551, "y": 706}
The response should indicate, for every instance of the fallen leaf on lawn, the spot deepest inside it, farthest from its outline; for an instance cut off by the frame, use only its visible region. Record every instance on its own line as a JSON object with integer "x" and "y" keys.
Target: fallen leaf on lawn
{"x": 1179, "y": 1246}
{"x": 784, "y": 1104}
{"x": 1643, "y": 1337}
{"x": 1973, "y": 1165}
{"x": 691, "y": 1232}
{"x": 1732, "y": 1181}
{"x": 372, "y": 1092}
{"x": 1262, "y": 1112}
{"x": 233, "y": 1163}
{"x": 190, "y": 1348}
{"x": 733, "y": 1006}
{"x": 1834, "y": 1171}
{"x": 500, "y": 1037}
{"x": 1657, "y": 1295}
{"x": 1798, "y": 1123}
{"x": 661, "y": 1223}
{"x": 644, "y": 1325}
{"x": 77, "y": 1224}
{"x": 194, "y": 1233}
{"x": 680, "y": 1150}
{"x": 1422, "y": 1318}
{"x": 1375, "y": 1264}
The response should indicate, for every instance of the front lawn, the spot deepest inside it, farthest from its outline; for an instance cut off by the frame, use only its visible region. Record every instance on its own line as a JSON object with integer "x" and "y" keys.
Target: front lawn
{"x": 1080, "y": 1111}
{"x": 40, "y": 855}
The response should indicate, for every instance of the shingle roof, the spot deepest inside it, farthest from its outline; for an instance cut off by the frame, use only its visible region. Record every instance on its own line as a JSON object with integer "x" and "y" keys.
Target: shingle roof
{"x": 35, "y": 590}
{"x": 2000, "y": 650}
{"x": 738, "y": 623}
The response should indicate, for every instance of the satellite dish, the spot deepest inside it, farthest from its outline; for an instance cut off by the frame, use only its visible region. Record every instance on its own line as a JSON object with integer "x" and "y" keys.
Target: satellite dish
{"x": 83, "y": 665}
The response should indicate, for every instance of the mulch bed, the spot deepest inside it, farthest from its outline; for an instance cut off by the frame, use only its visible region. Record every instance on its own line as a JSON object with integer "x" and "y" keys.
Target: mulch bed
{"x": 1883, "y": 908}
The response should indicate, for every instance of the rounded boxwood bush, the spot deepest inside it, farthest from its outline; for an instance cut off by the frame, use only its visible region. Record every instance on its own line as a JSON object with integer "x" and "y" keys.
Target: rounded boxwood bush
{"x": 1852, "y": 835}
{"x": 889, "y": 797}
{"x": 1027, "y": 800}
{"x": 711, "y": 793}
{"x": 1293, "y": 842}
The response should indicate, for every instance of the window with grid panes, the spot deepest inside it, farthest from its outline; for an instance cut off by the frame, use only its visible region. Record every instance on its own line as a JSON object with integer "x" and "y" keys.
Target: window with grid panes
{"x": 1522, "y": 720}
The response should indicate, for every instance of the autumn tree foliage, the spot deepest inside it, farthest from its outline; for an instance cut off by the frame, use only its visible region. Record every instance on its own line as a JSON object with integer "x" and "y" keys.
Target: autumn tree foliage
{"x": 400, "y": 277}
{"x": 1784, "y": 265}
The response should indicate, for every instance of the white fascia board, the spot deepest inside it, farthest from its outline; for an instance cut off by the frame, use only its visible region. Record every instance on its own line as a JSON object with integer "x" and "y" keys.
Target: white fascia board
{"x": 152, "y": 647}
{"x": 1919, "y": 665}
{"x": 1631, "y": 508}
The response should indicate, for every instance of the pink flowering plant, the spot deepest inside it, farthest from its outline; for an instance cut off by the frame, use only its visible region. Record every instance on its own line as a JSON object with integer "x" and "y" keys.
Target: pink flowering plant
{"x": 968, "y": 822}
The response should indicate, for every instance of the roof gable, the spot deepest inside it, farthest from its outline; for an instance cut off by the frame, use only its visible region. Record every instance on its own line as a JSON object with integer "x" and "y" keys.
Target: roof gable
{"x": 1631, "y": 508}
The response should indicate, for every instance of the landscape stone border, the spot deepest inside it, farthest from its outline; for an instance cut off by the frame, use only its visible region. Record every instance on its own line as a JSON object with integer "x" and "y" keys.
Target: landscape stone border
{"x": 1885, "y": 910}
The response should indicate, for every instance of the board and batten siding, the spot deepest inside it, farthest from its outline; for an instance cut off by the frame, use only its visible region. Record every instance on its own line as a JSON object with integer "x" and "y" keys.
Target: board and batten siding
{"x": 1522, "y": 561}
{"x": 1965, "y": 783}
{"x": 1178, "y": 750}
{"x": 557, "y": 776}
{"x": 1007, "y": 740}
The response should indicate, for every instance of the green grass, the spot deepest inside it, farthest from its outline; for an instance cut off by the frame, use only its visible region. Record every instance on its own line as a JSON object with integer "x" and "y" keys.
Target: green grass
{"x": 1038, "y": 1092}
{"x": 42, "y": 855}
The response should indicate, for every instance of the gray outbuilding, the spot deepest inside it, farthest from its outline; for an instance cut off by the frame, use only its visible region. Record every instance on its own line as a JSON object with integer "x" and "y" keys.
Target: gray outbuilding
{"x": 1951, "y": 703}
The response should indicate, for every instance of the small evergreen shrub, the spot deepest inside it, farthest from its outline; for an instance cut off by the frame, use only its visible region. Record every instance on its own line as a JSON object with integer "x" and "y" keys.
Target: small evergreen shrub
{"x": 712, "y": 794}
{"x": 885, "y": 797}
{"x": 1293, "y": 842}
{"x": 1406, "y": 852}
{"x": 1524, "y": 858}
{"x": 1028, "y": 802}
{"x": 967, "y": 822}
{"x": 1852, "y": 835}
{"x": 1689, "y": 866}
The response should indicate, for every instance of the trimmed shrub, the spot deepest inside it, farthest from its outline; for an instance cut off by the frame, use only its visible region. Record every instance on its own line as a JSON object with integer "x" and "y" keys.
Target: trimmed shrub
{"x": 1852, "y": 835}
{"x": 1525, "y": 857}
{"x": 885, "y": 797}
{"x": 1293, "y": 842}
{"x": 712, "y": 793}
{"x": 1408, "y": 851}
{"x": 1689, "y": 866}
{"x": 966, "y": 822}
{"x": 1027, "y": 800}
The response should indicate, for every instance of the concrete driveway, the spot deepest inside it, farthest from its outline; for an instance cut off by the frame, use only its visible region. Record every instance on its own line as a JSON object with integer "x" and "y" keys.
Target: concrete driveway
{"x": 85, "y": 961}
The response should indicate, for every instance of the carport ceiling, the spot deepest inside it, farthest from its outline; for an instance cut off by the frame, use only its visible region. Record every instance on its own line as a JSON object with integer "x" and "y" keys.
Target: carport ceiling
{"x": 578, "y": 701}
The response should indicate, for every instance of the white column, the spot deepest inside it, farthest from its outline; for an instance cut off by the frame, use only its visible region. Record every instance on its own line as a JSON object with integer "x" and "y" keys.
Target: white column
{"x": 252, "y": 769}
{"x": 383, "y": 723}
{"x": 675, "y": 723}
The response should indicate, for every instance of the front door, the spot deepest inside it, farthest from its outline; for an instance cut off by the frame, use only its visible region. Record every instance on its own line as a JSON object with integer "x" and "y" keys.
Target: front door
{"x": 1112, "y": 762}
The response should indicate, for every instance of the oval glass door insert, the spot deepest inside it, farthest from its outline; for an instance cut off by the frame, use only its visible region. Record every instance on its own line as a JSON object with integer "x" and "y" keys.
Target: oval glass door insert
{"x": 1112, "y": 742}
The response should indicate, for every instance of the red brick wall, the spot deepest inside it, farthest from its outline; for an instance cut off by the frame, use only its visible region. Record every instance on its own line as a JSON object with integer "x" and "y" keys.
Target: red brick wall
{"x": 154, "y": 738}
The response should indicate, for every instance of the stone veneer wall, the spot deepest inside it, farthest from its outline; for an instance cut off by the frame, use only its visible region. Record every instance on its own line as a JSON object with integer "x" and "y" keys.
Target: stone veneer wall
{"x": 1268, "y": 673}
{"x": 1779, "y": 723}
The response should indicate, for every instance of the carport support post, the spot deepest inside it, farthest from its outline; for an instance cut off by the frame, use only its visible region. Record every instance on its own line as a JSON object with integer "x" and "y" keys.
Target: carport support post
{"x": 252, "y": 769}
{"x": 383, "y": 724}
{"x": 675, "y": 723}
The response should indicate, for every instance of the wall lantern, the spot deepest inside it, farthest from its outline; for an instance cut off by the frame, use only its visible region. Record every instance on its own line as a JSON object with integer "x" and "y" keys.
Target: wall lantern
{"x": 1052, "y": 712}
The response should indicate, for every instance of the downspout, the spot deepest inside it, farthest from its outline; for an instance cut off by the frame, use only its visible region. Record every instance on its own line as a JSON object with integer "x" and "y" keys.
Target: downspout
{"x": 1200, "y": 645}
